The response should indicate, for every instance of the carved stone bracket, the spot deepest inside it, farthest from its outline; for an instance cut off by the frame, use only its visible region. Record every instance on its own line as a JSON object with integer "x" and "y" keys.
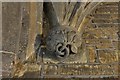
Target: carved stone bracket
{"x": 63, "y": 41}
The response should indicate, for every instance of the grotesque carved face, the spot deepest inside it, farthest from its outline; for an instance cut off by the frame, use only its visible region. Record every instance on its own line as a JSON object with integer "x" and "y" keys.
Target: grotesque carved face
{"x": 63, "y": 41}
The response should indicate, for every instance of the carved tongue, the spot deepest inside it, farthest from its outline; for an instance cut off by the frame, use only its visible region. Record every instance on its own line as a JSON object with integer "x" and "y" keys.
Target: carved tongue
{"x": 74, "y": 49}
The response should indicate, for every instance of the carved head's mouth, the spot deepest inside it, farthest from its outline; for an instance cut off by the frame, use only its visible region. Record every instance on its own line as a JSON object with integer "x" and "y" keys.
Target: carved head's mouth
{"x": 62, "y": 51}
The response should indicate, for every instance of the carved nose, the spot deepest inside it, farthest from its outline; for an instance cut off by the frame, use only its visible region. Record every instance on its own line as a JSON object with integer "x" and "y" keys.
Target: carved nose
{"x": 62, "y": 51}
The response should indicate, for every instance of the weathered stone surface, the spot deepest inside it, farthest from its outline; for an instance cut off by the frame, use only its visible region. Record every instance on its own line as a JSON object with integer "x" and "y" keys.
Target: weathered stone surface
{"x": 99, "y": 37}
{"x": 7, "y": 63}
{"x": 108, "y": 56}
{"x": 79, "y": 69}
{"x": 92, "y": 54}
{"x": 10, "y": 26}
{"x": 16, "y": 22}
